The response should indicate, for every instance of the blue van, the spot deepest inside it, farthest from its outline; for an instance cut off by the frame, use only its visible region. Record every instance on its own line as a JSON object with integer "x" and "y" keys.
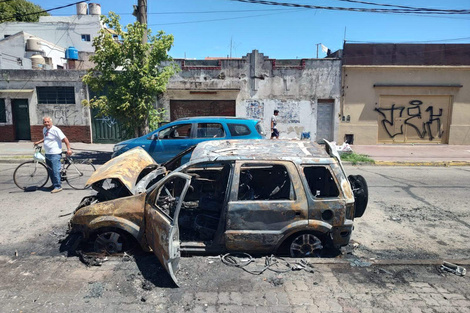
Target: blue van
{"x": 173, "y": 138}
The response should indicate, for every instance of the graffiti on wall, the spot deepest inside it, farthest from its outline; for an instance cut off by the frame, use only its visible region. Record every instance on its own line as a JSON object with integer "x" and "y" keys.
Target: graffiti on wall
{"x": 395, "y": 117}
{"x": 107, "y": 120}
{"x": 254, "y": 109}
{"x": 289, "y": 111}
{"x": 63, "y": 116}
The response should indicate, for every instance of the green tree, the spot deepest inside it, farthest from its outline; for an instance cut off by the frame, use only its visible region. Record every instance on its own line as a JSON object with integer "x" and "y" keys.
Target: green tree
{"x": 20, "y": 11}
{"x": 129, "y": 74}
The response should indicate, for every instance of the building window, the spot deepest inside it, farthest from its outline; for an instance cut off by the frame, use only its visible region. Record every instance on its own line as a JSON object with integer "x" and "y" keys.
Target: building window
{"x": 3, "y": 114}
{"x": 86, "y": 37}
{"x": 56, "y": 95}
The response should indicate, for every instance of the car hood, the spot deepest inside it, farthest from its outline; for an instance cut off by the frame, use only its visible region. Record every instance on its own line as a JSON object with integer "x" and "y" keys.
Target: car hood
{"x": 125, "y": 167}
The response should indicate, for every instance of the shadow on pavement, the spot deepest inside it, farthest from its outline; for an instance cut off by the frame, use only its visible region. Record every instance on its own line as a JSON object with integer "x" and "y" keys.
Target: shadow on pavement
{"x": 97, "y": 157}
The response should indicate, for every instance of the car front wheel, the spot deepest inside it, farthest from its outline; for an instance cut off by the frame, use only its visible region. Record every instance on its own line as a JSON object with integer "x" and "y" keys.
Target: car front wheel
{"x": 112, "y": 241}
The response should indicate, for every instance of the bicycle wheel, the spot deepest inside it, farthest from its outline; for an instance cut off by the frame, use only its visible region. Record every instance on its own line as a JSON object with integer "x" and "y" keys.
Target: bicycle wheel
{"x": 31, "y": 175}
{"x": 77, "y": 174}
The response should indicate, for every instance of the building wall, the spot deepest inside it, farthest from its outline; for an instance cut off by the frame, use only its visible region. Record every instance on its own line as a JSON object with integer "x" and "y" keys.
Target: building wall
{"x": 260, "y": 85}
{"x": 369, "y": 90}
{"x": 62, "y": 31}
{"x": 21, "y": 84}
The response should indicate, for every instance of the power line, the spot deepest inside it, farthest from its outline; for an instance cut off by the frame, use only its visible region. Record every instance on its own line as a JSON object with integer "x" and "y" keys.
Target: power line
{"x": 396, "y": 11}
{"x": 222, "y": 19}
{"x": 390, "y": 5}
{"x": 208, "y": 12}
{"x": 43, "y": 11}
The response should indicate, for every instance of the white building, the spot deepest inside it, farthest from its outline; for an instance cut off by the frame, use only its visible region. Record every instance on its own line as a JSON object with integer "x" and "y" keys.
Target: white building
{"x": 64, "y": 31}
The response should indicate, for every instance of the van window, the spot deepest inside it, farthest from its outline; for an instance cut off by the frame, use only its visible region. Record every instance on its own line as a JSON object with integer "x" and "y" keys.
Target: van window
{"x": 210, "y": 130}
{"x": 265, "y": 182}
{"x": 238, "y": 129}
{"x": 321, "y": 182}
{"x": 181, "y": 131}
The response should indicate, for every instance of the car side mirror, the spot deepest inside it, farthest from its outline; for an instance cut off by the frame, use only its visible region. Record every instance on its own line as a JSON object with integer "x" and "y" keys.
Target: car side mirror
{"x": 153, "y": 137}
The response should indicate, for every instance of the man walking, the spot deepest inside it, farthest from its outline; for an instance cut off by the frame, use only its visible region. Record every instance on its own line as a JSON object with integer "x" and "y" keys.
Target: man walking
{"x": 53, "y": 138}
{"x": 274, "y": 131}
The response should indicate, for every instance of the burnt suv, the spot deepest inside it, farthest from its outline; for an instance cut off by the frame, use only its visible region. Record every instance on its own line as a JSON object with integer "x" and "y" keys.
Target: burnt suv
{"x": 254, "y": 196}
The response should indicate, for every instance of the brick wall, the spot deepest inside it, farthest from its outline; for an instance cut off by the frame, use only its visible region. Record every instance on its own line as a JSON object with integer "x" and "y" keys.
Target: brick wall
{"x": 7, "y": 133}
{"x": 73, "y": 133}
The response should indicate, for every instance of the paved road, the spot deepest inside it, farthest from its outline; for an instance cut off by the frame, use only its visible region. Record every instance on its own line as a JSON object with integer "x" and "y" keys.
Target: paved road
{"x": 416, "y": 217}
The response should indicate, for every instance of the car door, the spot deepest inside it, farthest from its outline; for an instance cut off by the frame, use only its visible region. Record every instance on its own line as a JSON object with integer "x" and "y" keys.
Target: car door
{"x": 162, "y": 209}
{"x": 266, "y": 201}
{"x": 170, "y": 141}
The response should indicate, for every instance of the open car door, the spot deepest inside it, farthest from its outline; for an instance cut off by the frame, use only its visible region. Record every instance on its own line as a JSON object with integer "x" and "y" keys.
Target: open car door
{"x": 162, "y": 209}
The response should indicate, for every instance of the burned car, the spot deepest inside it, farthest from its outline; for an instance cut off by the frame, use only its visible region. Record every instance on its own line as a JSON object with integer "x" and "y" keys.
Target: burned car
{"x": 255, "y": 196}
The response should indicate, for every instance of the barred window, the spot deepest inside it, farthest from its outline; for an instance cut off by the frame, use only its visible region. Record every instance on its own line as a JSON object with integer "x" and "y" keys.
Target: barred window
{"x": 3, "y": 114}
{"x": 56, "y": 95}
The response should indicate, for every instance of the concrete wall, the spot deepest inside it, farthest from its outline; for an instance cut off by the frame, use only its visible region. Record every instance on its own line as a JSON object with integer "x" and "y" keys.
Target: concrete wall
{"x": 364, "y": 86}
{"x": 260, "y": 85}
{"x": 21, "y": 84}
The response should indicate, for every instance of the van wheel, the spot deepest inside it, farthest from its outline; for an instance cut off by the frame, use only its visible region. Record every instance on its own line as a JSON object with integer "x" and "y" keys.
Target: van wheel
{"x": 111, "y": 241}
{"x": 305, "y": 245}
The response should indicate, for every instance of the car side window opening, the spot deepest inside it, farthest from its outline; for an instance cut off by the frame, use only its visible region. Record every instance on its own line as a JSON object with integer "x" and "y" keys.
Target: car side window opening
{"x": 238, "y": 129}
{"x": 181, "y": 131}
{"x": 321, "y": 182}
{"x": 210, "y": 130}
{"x": 204, "y": 201}
{"x": 265, "y": 182}
{"x": 168, "y": 196}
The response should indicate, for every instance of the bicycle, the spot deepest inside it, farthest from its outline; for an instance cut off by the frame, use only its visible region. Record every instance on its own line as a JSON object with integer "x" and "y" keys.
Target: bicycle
{"x": 34, "y": 174}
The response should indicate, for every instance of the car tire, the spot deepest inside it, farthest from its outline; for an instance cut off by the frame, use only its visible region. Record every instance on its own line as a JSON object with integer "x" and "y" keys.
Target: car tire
{"x": 306, "y": 244}
{"x": 361, "y": 194}
{"x": 112, "y": 241}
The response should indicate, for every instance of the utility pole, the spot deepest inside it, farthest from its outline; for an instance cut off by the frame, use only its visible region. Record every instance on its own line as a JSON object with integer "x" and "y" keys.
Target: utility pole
{"x": 142, "y": 17}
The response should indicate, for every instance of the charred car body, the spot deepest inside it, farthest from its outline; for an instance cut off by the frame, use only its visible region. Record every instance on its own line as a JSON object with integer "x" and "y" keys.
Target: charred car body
{"x": 254, "y": 196}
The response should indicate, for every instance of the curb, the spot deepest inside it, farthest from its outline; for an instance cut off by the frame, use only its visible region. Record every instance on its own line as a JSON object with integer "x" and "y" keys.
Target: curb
{"x": 426, "y": 163}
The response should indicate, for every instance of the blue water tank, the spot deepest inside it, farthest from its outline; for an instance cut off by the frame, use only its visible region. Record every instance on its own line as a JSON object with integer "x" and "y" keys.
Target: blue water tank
{"x": 71, "y": 53}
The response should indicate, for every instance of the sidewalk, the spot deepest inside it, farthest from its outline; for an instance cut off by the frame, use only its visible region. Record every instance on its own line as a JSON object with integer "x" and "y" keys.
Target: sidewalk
{"x": 20, "y": 151}
{"x": 411, "y": 155}
{"x": 416, "y": 155}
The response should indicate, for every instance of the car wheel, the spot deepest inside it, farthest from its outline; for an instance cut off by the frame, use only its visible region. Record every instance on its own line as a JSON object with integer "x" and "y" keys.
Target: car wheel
{"x": 361, "y": 194}
{"x": 111, "y": 241}
{"x": 305, "y": 245}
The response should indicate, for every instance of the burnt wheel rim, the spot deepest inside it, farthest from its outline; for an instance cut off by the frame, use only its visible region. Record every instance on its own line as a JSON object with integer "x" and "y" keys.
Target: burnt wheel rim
{"x": 306, "y": 245}
{"x": 110, "y": 242}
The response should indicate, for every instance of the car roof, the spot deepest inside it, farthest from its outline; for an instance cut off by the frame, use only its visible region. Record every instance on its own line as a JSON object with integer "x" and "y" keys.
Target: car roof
{"x": 300, "y": 151}
{"x": 215, "y": 118}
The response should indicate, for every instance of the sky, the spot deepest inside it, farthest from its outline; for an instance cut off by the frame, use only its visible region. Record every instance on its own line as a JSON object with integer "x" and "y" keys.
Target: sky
{"x": 227, "y": 28}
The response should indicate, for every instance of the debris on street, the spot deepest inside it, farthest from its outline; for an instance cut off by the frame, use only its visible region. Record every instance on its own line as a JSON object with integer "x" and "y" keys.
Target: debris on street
{"x": 271, "y": 263}
{"x": 453, "y": 268}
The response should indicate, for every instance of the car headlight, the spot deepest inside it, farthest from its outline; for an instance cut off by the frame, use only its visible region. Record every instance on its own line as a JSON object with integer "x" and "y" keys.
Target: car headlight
{"x": 118, "y": 147}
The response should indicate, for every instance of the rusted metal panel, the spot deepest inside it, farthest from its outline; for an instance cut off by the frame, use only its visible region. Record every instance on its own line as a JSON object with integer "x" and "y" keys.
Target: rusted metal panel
{"x": 111, "y": 214}
{"x": 125, "y": 168}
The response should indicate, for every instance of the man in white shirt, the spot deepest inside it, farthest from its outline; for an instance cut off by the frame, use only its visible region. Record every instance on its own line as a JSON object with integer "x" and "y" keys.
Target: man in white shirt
{"x": 53, "y": 138}
{"x": 274, "y": 131}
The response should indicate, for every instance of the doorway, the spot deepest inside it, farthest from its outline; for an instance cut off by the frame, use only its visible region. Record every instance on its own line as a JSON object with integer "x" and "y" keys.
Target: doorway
{"x": 21, "y": 122}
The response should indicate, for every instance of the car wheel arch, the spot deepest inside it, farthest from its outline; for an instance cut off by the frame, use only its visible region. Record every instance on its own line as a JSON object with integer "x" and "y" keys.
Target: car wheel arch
{"x": 114, "y": 222}
{"x": 319, "y": 228}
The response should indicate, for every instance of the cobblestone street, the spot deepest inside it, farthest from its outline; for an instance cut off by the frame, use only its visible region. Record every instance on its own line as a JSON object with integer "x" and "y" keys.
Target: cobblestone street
{"x": 64, "y": 284}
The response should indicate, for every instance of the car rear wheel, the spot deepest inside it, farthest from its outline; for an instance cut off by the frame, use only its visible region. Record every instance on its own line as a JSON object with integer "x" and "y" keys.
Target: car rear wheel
{"x": 112, "y": 241}
{"x": 306, "y": 245}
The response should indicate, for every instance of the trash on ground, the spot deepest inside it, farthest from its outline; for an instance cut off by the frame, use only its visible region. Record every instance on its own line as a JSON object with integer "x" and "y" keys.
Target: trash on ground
{"x": 453, "y": 268}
